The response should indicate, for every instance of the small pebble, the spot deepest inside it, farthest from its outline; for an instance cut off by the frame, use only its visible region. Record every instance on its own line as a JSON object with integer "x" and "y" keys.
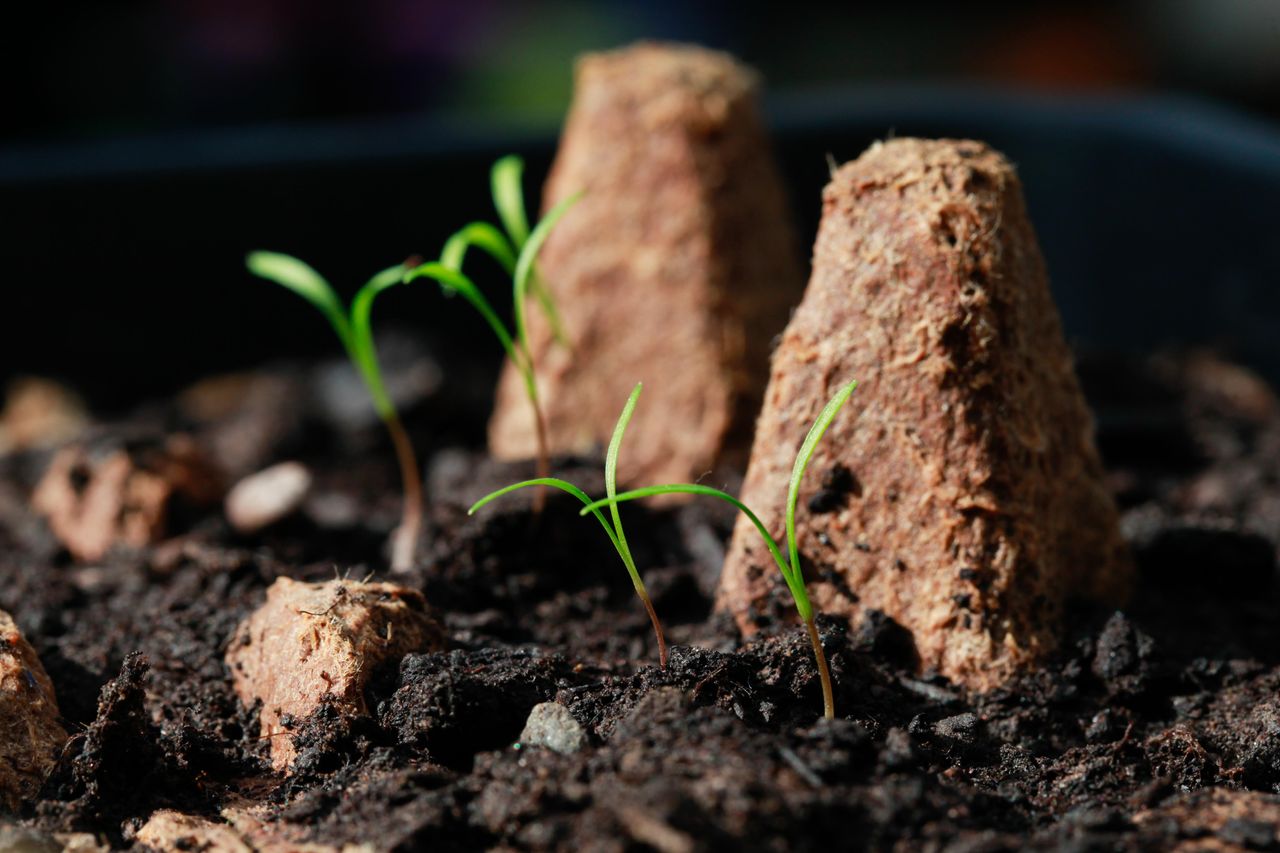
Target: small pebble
{"x": 268, "y": 496}
{"x": 551, "y": 725}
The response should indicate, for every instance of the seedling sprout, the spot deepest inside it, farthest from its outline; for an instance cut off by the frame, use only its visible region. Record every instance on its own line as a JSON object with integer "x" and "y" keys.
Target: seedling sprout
{"x": 790, "y": 568}
{"x": 516, "y": 252}
{"x": 354, "y": 330}
{"x": 614, "y": 530}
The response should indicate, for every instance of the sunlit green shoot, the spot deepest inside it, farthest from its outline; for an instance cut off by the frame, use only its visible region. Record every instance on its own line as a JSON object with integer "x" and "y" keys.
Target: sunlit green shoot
{"x": 506, "y": 180}
{"x": 614, "y": 529}
{"x": 354, "y": 330}
{"x": 790, "y": 567}
{"x": 515, "y": 250}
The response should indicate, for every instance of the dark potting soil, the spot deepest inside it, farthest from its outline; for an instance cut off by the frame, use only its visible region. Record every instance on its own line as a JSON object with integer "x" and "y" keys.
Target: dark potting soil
{"x": 1151, "y": 726}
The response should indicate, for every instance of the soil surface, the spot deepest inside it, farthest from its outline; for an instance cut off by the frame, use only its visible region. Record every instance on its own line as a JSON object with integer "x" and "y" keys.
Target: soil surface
{"x": 1153, "y": 727}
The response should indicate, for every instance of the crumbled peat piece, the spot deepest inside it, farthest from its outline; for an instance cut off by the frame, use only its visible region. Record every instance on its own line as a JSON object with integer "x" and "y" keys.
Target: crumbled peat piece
{"x": 30, "y": 735}
{"x": 98, "y": 494}
{"x": 322, "y": 641}
{"x": 39, "y": 413}
{"x": 167, "y": 829}
{"x": 677, "y": 267}
{"x": 239, "y": 831}
{"x": 979, "y": 505}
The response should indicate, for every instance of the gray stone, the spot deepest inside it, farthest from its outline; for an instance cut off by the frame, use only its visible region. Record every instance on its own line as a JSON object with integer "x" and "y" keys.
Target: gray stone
{"x": 551, "y": 725}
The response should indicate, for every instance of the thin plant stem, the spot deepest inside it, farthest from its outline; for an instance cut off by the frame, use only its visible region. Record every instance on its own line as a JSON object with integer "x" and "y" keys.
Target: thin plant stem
{"x": 544, "y": 457}
{"x": 404, "y": 543}
{"x": 657, "y": 628}
{"x": 824, "y": 674}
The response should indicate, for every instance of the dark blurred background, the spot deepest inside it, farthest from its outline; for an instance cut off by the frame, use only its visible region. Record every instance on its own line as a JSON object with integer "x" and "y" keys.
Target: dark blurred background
{"x": 145, "y": 146}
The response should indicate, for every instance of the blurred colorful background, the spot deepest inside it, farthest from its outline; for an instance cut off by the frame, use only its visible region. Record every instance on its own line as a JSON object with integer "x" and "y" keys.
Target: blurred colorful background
{"x": 92, "y": 69}
{"x": 146, "y": 146}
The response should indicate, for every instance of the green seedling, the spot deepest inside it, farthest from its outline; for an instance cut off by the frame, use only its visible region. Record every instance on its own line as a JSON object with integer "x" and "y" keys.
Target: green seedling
{"x": 790, "y": 568}
{"x": 614, "y": 530}
{"x": 515, "y": 251}
{"x": 355, "y": 333}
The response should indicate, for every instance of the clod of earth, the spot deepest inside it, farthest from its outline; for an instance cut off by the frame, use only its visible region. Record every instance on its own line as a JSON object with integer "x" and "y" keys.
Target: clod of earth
{"x": 268, "y": 496}
{"x": 30, "y": 735}
{"x": 314, "y": 643}
{"x": 96, "y": 495}
{"x": 1217, "y": 819}
{"x": 974, "y": 504}
{"x": 677, "y": 265}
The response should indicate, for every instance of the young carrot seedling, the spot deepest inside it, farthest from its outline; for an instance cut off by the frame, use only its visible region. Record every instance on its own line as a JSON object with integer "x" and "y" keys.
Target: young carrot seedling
{"x": 614, "y": 530}
{"x": 790, "y": 569}
{"x": 355, "y": 333}
{"x": 516, "y": 251}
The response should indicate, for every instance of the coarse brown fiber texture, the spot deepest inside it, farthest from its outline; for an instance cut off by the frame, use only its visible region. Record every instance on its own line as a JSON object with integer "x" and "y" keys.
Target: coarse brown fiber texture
{"x": 31, "y": 735}
{"x": 960, "y": 491}
{"x": 677, "y": 267}
{"x": 321, "y": 642}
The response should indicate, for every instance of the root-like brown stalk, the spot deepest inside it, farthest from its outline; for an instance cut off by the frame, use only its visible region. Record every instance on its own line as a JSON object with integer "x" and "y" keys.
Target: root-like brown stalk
{"x": 404, "y": 542}
{"x": 828, "y": 701}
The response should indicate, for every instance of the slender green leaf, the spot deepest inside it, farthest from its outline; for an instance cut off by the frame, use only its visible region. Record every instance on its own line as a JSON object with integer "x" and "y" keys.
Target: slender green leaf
{"x": 303, "y": 280}
{"x": 555, "y": 483}
{"x": 611, "y": 483}
{"x": 528, "y": 254}
{"x": 365, "y": 352}
{"x": 482, "y": 236}
{"x": 508, "y": 198}
{"x": 802, "y": 599}
{"x": 824, "y": 419}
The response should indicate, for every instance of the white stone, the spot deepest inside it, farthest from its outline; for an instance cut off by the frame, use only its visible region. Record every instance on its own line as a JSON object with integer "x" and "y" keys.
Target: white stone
{"x": 264, "y": 498}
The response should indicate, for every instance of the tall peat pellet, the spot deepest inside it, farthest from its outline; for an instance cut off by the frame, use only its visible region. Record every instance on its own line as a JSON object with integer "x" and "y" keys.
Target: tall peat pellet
{"x": 960, "y": 492}
{"x": 321, "y": 642}
{"x": 678, "y": 267}
{"x": 31, "y": 735}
